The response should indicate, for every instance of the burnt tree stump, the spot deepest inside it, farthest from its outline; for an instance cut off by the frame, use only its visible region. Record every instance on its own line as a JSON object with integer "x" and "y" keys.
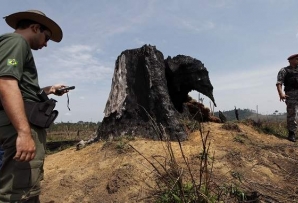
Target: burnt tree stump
{"x": 148, "y": 92}
{"x": 185, "y": 74}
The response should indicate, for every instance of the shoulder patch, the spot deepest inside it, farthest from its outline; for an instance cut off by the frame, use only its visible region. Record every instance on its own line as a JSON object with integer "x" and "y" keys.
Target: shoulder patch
{"x": 12, "y": 62}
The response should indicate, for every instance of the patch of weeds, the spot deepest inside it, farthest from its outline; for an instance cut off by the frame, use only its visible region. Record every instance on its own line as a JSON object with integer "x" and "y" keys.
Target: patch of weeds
{"x": 229, "y": 192}
{"x": 173, "y": 195}
{"x": 235, "y": 158}
{"x": 177, "y": 182}
{"x": 119, "y": 143}
{"x": 233, "y": 154}
{"x": 191, "y": 125}
{"x": 240, "y": 138}
{"x": 122, "y": 146}
{"x": 237, "y": 175}
{"x": 234, "y": 191}
{"x": 276, "y": 128}
{"x": 203, "y": 156}
{"x": 231, "y": 126}
{"x": 250, "y": 122}
{"x": 238, "y": 193}
{"x": 106, "y": 145}
{"x": 124, "y": 137}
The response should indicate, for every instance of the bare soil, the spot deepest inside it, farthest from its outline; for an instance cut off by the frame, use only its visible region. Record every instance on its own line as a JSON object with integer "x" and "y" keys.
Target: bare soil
{"x": 106, "y": 172}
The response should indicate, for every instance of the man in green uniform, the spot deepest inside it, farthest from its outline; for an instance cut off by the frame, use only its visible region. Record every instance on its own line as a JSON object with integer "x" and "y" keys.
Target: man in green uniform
{"x": 22, "y": 142}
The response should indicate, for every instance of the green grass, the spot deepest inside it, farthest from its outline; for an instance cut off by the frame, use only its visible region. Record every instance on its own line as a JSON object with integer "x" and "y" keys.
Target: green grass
{"x": 272, "y": 127}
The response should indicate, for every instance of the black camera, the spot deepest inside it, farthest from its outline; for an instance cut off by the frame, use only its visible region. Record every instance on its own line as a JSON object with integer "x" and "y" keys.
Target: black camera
{"x": 60, "y": 91}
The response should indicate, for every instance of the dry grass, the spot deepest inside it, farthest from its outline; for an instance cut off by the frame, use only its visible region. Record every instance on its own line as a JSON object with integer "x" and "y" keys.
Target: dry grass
{"x": 243, "y": 166}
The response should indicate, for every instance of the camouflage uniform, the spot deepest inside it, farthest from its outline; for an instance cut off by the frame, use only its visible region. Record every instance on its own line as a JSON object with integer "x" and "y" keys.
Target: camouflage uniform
{"x": 291, "y": 101}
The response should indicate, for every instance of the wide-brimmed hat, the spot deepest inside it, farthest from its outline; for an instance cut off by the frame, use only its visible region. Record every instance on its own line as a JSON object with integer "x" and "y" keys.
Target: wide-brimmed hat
{"x": 292, "y": 56}
{"x": 38, "y": 17}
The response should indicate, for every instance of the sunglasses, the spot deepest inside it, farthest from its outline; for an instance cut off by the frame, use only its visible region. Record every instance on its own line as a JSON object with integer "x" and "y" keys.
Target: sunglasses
{"x": 47, "y": 36}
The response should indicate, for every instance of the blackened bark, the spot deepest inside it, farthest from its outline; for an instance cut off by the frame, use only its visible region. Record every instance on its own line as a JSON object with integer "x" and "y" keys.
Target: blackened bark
{"x": 185, "y": 74}
{"x": 140, "y": 104}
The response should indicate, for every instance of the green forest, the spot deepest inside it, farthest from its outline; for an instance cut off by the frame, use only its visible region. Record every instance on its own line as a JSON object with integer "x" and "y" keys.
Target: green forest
{"x": 251, "y": 114}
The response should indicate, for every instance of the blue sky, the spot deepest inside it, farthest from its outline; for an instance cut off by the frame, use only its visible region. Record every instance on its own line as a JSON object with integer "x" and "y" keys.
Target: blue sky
{"x": 243, "y": 44}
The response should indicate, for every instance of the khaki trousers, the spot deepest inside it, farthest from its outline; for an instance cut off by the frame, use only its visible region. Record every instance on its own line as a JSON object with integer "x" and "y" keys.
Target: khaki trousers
{"x": 20, "y": 181}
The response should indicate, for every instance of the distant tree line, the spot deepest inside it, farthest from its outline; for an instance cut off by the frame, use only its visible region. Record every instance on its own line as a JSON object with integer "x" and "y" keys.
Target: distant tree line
{"x": 250, "y": 114}
{"x": 81, "y": 125}
{"x": 230, "y": 116}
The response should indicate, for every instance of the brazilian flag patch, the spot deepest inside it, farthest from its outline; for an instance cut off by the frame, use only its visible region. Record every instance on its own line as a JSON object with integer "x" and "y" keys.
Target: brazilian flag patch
{"x": 12, "y": 62}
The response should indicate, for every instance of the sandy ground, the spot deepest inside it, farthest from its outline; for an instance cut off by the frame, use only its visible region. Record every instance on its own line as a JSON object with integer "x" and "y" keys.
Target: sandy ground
{"x": 106, "y": 172}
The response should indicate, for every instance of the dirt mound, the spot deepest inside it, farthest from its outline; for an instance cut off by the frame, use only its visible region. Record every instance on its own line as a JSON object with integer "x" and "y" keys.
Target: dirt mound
{"x": 114, "y": 172}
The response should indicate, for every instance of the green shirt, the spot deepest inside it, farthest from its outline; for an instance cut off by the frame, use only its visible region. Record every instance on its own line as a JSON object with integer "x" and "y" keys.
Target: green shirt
{"x": 16, "y": 60}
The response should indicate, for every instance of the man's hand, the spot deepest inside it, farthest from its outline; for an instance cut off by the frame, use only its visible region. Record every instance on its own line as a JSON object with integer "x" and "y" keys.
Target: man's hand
{"x": 53, "y": 89}
{"x": 25, "y": 147}
{"x": 283, "y": 97}
{"x": 13, "y": 104}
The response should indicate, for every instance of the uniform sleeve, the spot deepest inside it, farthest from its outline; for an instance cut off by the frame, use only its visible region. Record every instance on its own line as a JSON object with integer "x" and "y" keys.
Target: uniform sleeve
{"x": 13, "y": 53}
{"x": 281, "y": 76}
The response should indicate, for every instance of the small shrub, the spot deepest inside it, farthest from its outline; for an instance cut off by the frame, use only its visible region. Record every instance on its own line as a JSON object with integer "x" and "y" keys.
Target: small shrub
{"x": 276, "y": 128}
{"x": 177, "y": 182}
{"x": 122, "y": 146}
{"x": 238, "y": 193}
{"x": 118, "y": 143}
{"x": 231, "y": 126}
{"x": 191, "y": 125}
{"x": 240, "y": 138}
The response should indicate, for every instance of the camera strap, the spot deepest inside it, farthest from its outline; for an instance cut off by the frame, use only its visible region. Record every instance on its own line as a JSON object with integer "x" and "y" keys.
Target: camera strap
{"x": 68, "y": 101}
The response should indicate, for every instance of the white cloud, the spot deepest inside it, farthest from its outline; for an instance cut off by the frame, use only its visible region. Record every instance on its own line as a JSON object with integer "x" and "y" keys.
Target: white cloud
{"x": 246, "y": 78}
{"x": 77, "y": 62}
{"x": 77, "y": 48}
{"x": 197, "y": 26}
